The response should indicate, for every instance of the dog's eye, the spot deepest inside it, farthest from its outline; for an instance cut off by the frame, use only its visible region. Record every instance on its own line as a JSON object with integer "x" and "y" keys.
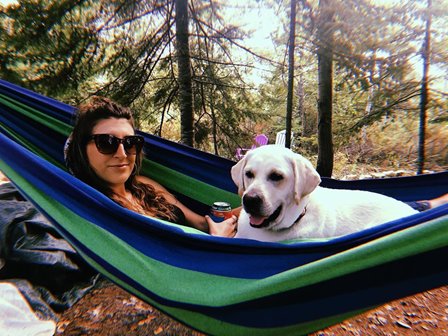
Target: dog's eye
{"x": 275, "y": 177}
{"x": 249, "y": 174}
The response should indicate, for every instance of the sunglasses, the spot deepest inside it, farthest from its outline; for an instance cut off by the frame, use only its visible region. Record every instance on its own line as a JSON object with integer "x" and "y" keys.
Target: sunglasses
{"x": 108, "y": 144}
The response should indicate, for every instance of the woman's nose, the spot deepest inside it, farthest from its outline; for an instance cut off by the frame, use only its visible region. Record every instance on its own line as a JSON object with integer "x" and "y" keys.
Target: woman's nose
{"x": 120, "y": 152}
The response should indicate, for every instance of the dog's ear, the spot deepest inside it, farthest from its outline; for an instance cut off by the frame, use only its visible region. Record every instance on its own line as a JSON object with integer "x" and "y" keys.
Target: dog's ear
{"x": 237, "y": 172}
{"x": 306, "y": 177}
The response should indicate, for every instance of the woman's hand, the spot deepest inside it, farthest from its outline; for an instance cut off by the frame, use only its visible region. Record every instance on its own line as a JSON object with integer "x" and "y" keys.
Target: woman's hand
{"x": 226, "y": 228}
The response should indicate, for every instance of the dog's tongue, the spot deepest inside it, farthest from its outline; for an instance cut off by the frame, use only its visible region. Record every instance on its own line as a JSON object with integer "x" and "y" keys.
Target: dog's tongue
{"x": 256, "y": 220}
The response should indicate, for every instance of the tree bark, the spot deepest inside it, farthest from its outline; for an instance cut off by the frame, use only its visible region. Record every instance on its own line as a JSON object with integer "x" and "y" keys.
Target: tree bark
{"x": 184, "y": 73}
{"x": 289, "y": 100}
{"x": 325, "y": 101}
{"x": 301, "y": 103}
{"x": 426, "y": 55}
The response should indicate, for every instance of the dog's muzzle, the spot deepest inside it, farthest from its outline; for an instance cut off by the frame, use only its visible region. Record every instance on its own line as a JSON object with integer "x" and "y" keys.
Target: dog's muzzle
{"x": 253, "y": 205}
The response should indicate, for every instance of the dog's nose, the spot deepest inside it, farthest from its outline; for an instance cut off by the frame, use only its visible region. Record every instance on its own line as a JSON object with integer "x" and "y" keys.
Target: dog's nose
{"x": 252, "y": 202}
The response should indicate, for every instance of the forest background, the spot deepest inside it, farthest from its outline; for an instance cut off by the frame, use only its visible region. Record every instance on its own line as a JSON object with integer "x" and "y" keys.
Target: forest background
{"x": 360, "y": 83}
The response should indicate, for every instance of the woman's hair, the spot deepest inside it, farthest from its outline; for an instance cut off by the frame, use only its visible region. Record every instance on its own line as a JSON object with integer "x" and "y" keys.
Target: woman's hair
{"x": 150, "y": 202}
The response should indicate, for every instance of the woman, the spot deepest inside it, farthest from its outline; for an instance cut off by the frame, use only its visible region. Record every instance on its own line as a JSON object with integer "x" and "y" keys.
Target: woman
{"x": 105, "y": 153}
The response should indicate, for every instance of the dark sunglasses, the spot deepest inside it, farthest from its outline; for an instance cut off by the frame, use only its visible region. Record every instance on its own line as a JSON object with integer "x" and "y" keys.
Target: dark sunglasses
{"x": 108, "y": 144}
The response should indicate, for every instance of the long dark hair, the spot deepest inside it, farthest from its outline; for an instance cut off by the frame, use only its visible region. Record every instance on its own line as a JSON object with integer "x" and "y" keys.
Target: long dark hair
{"x": 150, "y": 202}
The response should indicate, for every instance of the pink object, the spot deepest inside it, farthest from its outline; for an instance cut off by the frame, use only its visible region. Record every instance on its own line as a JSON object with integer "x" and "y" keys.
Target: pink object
{"x": 259, "y": 140}
{"x": 240, "y": 153}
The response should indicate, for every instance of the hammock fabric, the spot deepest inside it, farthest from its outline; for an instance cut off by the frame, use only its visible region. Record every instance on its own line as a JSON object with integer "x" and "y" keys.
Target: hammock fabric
{"x": 218, "y": 285}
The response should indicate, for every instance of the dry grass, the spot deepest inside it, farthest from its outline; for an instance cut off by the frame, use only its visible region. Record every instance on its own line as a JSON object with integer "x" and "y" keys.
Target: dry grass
{"x": 392, "y": 146}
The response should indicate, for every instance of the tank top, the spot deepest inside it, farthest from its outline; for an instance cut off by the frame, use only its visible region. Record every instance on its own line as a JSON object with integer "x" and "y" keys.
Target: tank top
{"x": 179, "y": 214}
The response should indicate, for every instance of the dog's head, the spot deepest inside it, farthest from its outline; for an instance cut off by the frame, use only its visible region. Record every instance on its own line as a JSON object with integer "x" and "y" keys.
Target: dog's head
{"x": 273, "y": 181}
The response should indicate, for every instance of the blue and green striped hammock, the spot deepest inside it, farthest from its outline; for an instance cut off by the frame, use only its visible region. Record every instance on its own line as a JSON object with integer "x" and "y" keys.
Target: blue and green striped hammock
{"x": 220, "y": 286}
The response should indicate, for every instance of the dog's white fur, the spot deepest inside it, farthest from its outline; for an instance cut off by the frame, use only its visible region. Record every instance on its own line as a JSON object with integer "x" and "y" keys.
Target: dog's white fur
{"x": 271, "y": 177}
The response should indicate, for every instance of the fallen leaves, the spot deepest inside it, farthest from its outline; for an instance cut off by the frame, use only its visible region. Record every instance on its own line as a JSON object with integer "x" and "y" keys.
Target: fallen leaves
{"x": 158, "y": 331}
{"x": 110, "y": 311}
{"x": 147, "y": 320}
{"x": 422, "y": 314}
{"x": 403, "y": 325}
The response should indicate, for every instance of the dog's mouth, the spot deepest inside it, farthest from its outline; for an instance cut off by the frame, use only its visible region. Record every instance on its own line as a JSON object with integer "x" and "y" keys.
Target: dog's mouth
{"x": 261, "y": 222}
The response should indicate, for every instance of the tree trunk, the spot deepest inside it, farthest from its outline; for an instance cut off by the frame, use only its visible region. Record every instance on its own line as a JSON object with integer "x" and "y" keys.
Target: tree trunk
{"x": 184, "y": 74}
{"x": 214, "y": 128}
{"x": 289, "y": 100}
{"x": 426, "y": 55}
{"x": 325, "y": 102}
{"x": 301, "y": 103}
{"x": 371, "y": 93}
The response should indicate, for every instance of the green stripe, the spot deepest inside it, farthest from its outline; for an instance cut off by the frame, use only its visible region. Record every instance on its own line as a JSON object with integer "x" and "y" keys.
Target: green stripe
{"x": 186, "y": 185}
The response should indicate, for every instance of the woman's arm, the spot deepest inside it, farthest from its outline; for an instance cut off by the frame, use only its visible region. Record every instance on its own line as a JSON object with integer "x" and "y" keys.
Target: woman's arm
{"x": 226, "y": 228}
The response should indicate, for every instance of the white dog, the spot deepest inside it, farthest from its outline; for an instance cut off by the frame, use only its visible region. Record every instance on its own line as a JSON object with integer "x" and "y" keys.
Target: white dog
{"x": 281, "y": 200}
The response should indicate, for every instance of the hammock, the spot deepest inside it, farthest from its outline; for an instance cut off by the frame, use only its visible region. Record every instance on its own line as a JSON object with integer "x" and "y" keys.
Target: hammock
{"x": 218, "y": 285}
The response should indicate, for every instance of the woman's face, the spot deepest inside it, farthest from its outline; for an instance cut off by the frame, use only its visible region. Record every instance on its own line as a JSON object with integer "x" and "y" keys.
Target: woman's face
{"x": 114, "y": 168}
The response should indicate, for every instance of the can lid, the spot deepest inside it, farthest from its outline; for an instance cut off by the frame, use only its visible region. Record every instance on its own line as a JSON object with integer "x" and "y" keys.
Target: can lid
{"x": 221, "y": 206}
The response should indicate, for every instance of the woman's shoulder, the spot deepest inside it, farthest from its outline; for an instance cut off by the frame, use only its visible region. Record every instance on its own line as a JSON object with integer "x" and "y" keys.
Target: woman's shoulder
{"x": 156, "y": 185}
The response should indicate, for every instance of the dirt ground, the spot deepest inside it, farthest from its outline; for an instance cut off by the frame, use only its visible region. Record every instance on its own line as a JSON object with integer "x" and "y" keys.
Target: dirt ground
{"x": 110, "y": 311}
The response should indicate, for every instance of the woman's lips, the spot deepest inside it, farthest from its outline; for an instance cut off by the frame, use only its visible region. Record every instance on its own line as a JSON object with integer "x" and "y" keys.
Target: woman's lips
{"x": 123, "y": 165}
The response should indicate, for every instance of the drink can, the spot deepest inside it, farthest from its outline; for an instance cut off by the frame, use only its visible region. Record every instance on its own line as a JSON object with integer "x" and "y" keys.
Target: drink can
{"x": 220, "y": 211}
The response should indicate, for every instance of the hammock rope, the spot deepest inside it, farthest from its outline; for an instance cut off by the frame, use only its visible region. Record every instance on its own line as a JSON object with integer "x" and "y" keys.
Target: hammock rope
{"x": 217, "y": 285}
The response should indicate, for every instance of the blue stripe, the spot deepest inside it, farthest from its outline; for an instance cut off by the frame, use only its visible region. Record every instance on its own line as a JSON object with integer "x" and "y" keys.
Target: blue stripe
{"x": 409, "y": 188}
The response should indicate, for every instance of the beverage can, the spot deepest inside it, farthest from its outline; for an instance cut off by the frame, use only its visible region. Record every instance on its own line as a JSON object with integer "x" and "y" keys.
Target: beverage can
{"x": 220, "y": 211}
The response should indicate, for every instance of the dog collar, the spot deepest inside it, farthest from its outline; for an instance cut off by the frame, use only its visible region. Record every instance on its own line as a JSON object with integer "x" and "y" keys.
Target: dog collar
{"x": 300, "y": 216}
{"x": 296, "y": 221}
